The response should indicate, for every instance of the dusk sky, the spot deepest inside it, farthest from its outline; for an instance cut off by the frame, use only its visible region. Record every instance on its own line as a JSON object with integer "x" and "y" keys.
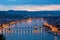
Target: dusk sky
{"x": 26, "y": 5}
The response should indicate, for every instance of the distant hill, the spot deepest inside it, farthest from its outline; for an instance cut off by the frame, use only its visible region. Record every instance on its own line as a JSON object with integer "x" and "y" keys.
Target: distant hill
{"x": 25, "y": 14}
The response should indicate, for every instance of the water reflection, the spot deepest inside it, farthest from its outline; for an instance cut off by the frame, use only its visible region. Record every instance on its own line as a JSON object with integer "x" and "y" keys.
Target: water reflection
{"x": 29, "y": 34}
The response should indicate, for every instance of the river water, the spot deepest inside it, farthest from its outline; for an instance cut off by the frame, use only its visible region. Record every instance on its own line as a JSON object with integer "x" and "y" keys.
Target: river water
{"x": 25, "y": 31}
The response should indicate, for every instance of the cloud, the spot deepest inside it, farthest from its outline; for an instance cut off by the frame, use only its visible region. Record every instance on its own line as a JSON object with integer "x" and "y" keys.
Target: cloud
{"x": 30, "y": 7}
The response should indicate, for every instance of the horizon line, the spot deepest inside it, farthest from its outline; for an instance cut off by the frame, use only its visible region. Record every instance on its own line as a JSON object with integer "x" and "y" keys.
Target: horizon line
{"x": 30, "y": 7}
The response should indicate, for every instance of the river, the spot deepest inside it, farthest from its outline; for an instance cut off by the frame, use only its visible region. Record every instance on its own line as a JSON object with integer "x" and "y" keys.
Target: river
{"x": 25, "y": 31}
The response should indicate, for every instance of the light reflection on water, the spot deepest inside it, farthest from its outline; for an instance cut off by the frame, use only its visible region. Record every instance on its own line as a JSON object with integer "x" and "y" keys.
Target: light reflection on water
{"x": 29, "y": 35}
{"x": 25, "y": 31}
